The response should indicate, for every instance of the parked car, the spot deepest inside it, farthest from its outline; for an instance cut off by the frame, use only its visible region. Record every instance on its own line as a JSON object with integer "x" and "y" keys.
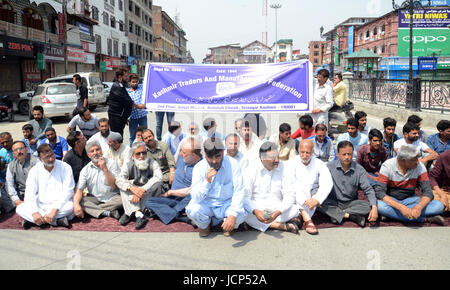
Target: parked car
{"x": 106, "y": 88}
{"x": 57, "y": 99}
{"x": 24, "y": 102}
{"x": 93, "y": 83}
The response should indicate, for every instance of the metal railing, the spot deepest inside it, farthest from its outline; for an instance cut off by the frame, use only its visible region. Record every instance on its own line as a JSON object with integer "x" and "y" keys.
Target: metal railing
{"x": 431, "y": 94}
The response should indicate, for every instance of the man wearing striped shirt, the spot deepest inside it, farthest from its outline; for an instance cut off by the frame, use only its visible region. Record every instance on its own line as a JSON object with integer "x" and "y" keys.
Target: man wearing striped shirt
{"x": 395, "y": 190}
{"x": 138, "y": 116}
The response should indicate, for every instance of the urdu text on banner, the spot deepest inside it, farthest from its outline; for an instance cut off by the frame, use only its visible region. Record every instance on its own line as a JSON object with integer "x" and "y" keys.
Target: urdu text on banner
{"x": 281, "y": 87}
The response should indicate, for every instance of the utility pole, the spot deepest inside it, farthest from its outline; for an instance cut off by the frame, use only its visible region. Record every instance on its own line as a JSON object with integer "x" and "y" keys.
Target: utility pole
{"x": 276, "y": 7}
{"x": 65, "y": 35}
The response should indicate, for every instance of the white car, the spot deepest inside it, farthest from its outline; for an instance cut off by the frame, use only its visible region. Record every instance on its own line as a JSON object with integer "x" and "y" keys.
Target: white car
{"x": 106, "y": 88}
{"x": 24, "y": 102}
{"x": 57, "y": 99}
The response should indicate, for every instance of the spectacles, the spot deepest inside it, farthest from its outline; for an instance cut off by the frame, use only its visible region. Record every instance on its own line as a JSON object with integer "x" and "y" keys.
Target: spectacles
{"x": 18, "y": 149}
{"x": 143, "y": 153}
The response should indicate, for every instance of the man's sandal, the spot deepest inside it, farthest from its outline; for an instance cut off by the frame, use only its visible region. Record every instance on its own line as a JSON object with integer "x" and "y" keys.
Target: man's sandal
{"x": 290, "y": 229}
{"x": 310, "y": 228}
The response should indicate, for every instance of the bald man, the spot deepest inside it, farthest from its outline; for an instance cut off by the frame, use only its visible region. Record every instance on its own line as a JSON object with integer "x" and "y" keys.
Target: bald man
{"x": 309, "y": 179}
{"x": 170, "y": 206}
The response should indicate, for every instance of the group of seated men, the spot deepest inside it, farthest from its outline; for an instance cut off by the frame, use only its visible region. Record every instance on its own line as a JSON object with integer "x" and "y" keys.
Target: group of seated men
{"x": 206, "y": 178}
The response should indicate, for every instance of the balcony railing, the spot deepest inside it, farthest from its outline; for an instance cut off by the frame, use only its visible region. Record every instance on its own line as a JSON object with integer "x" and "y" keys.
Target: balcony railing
{"x": 24, "y": 32}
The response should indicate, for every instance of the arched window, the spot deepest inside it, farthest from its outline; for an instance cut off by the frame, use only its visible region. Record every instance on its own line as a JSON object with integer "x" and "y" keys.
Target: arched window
{"x": 7, "y": 12}
{"x": 32, "y": 18}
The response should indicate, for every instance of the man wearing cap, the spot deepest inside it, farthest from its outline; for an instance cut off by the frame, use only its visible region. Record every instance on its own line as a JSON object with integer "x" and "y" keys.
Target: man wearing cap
{"x": 117, "y": 151}
{"x": 218, "y": 192}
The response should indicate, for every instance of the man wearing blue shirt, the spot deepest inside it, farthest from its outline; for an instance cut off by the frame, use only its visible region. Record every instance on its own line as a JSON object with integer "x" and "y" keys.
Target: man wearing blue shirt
{"x": 440, "y": 142}
{"x": 173, "y": 137}
{"x": 138, "y": 116}
{"x": 389, "y": 136}
{"x": 58, "y": 143}
{"x": 218, "y": 192}
{"x": 171, "y": 205}
{"x": 352, "y": 135}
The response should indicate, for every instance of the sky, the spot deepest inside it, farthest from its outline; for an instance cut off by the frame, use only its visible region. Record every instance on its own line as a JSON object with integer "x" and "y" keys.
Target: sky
{"x": 211, "y": 23}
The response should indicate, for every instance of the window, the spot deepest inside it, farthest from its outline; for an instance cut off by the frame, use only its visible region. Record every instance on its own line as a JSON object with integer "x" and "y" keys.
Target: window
{"x": 375, "y": 49}
{"x": 113, "y": 22}
{"x": 130, "y": 27}
{"x": 150, "y": 22}
{"x": 124, "y": 49}
{"x": 316, "y": 46}
{"x": 367, "y": 34}
{"x": 120, "y": 5}
{"x": 316, "y": 53}
{"x": 98, "y": 43}
{"x": 383, "y": 29}
{"x": 146, "y": 19}
{"x": 283, "y": 46}
{"x": 121, "y": 26}
{"x": 112, "y": 2}
{"x": 130, "y": 6}
{"x": 138, "y": 30}
{"x": 109, "y": 43}
{"x": 105, "y": 18}
{"x": 132, "y": 49}
{"x": 316, "y": 61}
{"x": 137, "y": 11}
{"x": 146, "y": 36}
{"x": 383, "y": 49}
{"x": 94, "y": 13}
{"x": 116, "y": 48}
{"x": 375, "y": 31}
{"x": 150, "y": 38}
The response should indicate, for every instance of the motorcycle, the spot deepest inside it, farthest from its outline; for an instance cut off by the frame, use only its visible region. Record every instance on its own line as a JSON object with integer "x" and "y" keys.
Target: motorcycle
{"x": 7, "y": 107}
{"x": 337, "y": 118}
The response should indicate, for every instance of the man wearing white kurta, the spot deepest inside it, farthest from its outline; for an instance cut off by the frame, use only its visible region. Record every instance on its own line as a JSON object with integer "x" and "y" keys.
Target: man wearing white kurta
{"x": 218, "y": 191}
{"x": 118, "y": 151}
{"x": 49, "y": 191}
{"x": 250, "y": 143}
{"x": 311, "y": 182}
{"x": 266, "y": 191}
{"x": 323, "y": 98}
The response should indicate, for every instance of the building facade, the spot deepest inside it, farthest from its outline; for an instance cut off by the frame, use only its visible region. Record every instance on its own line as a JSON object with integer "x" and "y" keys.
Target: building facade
{"x": 164, "y": 35}
{"x": 254, "y": 52}
{"x": 316, "y": 50}
{"x": 225, "y": 54}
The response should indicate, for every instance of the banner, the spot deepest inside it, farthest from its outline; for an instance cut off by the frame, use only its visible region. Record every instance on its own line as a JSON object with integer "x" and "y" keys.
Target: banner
{"x": 425, "y": 18}
{"x": 350, "y": 39}
{"x": 425, "y": 42}
{"x": 282, "y": 87}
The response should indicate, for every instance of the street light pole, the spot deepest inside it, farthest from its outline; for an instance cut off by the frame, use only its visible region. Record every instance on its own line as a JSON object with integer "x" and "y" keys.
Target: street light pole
{"x": 276, "y": 7}
{"x": 65, "y": 35}
{"x": 332, "y": 50}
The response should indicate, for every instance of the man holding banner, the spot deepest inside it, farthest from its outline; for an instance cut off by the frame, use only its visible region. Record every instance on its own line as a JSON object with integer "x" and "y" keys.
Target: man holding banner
{"x": 323, "y": 98}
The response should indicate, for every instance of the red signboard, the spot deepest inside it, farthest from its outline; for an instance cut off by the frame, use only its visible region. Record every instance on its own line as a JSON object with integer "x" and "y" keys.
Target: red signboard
{"x": 113, "y": 62}
{"x": 75, "y": 54}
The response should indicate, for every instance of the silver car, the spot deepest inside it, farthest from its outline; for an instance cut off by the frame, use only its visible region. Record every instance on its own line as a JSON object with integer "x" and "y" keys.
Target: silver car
{"x": 106, "y": 88}
{"x": 57, "y": 99}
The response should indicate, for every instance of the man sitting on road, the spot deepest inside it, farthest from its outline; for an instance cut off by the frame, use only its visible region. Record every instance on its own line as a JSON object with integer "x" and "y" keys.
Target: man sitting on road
{"x": 354, "y": 136}
{"x": 48, "y": 192}
{"x": 118, "y": 151}
{"x": 267, "y": 201}
{"x": 99, "y": 176}
{"x": 58, "y": 143}
{"x": 218, "y": 192}
{"x": 77, "y": 157}
{"x": 286, "y": 145}
{"x": 139, "y": 179}
{"x": 396, "y": 189}
{"x": 86, "y": 122}
{"x": 39, "y": 123}
{"x": 371, "y": 156}
{"x": 440, "y": 142}
{"x": 323, "y": 145}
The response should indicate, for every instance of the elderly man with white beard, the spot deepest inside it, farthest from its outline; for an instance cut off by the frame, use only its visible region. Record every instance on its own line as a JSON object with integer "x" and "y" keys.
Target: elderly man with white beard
{"x": 309, "y": 179}
{"x": 99, "y": 176}
{"x": 268, "y": 203}
{"x": 49, "y": 192}
{"x": 140, "y": 178}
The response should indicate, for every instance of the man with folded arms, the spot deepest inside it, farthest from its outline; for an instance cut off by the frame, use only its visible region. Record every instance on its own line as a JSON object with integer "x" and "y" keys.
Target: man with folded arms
{"x": 267, "y": 201}
{"x": 49, "y": 192}
{"x": 396, "y": 189}
{"x": 99, "y": 176}
{"x": 218, "y": 192}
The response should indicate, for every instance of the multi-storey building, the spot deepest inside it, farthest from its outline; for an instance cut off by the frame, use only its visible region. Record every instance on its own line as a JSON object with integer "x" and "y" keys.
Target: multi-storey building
{"x": 224, "y": 54}
{"x": 316, "y": 50}
{"x": 254, "y": 52}
{"x": 139, "y": 29}
{"x": 164, "y": 35}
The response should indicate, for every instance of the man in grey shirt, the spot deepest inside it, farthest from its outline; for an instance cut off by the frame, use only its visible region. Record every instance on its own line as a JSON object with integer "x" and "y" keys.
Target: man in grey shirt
{"x": 87, "y": 122}
{"x": 99, "y": 176}
{"x": 39, "y": 123}
{"x": 17, "y": 172}
{"x": 348, "y": 177}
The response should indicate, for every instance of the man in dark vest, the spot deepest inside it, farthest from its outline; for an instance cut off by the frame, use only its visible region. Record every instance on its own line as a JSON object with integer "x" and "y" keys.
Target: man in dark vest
{"x": 120, "y": 103}
{"x": 139, "y": 179}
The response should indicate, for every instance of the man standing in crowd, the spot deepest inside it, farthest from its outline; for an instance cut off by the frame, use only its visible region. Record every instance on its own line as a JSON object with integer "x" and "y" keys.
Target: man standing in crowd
{"x": 48, "y": 192}
{"x": 348, "y": 176}
{"x": 86, "y": 122}
{"x": 323, "y": 145}
{"x": 82, "y": 94}
{"x": 17, "y": 172}
{"x": 120, "y": 104}
{"x": 396, "y": 189}
{"x": 440, "y": 142}
{"x": 354, "y": 136}
{"x": 99, "y": 176}
{"x": 139, "y": 179}
{"x": 323, "y": 98}
{"x": 218, "y": 192}
{"x": 138, "y": 117}
{"x": 170, "y": 206}
{"x": 160, "y": 152}
{"x": 371, "y": 156}
{"x": 286, "y": 145}
{"x": 77, "y": 157}
{"x": 39, "y": 123}
{"x": 58, "y": 143}
{"x": 389, "y": 136}
{"x": 267, "y": 201}
{"x": 309, "y": 181}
